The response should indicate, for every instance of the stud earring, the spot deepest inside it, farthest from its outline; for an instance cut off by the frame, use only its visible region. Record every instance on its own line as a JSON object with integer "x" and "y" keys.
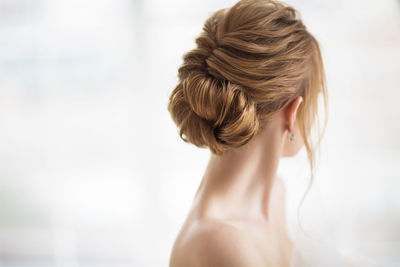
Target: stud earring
{"x": 291, "y": 137}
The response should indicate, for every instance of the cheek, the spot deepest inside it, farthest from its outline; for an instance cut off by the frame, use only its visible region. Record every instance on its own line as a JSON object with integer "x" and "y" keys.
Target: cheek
{"x": 297, "y": 144}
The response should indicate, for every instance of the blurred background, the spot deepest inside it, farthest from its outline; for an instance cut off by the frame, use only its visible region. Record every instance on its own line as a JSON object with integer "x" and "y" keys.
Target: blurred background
{"x": 93, "y": 172}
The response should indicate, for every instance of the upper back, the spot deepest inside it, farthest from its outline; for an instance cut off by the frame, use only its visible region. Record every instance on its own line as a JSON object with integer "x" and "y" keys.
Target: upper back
{"x": 215, "y": 244}
{"x": 232, "y": 243}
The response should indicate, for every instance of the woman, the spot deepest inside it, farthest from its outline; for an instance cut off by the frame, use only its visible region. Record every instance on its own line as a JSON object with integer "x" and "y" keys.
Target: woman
{"x": 249, "y": 92}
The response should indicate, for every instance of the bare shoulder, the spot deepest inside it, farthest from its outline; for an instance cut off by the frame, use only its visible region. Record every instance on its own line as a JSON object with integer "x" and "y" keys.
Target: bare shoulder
{"x": 218, "y": 245}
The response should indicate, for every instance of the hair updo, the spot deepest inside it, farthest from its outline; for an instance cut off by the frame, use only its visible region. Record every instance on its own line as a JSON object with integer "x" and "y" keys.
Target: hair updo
{"x": 251, "y": 60}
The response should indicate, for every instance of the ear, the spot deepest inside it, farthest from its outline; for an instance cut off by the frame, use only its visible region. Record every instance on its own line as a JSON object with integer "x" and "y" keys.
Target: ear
{"x": 291, "y": 111}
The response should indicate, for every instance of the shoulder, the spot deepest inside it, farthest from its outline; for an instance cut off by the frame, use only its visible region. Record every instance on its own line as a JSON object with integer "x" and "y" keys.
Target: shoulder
{"x": 220, "y": 245}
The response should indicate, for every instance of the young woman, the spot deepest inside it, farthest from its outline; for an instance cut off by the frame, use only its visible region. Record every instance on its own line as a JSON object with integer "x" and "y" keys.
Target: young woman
{"x": 249, "y": 92}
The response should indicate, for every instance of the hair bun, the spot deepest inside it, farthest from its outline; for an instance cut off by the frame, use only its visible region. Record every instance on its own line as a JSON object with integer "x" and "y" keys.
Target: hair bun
{"x": 213, "y": 113}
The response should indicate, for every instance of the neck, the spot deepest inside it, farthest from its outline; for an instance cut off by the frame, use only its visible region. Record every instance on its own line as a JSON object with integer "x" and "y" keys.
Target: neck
{"x": 237, "y": 184}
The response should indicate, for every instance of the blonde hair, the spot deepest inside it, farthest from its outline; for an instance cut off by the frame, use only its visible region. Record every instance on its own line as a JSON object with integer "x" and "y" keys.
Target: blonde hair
{"x": 251, "y": 60}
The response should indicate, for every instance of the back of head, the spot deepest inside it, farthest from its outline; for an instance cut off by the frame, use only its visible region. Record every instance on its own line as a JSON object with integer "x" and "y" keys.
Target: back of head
{"x": 250, "y": 60}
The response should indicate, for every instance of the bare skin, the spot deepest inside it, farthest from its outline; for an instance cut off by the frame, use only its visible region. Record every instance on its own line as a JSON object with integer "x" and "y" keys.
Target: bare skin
{"x": 237, "y": 216}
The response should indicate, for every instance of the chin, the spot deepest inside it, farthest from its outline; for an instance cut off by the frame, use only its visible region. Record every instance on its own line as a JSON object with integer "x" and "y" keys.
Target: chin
{"x": 291, "y": 151}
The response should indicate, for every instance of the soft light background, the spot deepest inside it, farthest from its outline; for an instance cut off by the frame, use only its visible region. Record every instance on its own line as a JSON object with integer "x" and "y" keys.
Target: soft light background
{"x": 92, "y": 171}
